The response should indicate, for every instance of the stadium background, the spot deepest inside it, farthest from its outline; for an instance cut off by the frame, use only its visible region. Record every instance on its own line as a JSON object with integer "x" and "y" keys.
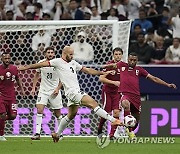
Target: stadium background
{"x": 19, "y": 43}
{"x": 103, "y": 40}
{"x": 85, "y": 123}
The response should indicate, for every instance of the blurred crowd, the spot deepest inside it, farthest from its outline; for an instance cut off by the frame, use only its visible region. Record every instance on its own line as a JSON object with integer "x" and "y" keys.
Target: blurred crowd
{"x": 155, "y": 31}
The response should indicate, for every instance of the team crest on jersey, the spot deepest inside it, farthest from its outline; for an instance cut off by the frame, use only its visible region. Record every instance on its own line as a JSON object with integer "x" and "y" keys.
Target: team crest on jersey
{"x": 113, "y": 72}
{"x": 8, "y": 75}
{"x": 123, "y": 68}
{"x": 137, "y": 72}
{"x": 1, "y": 77}
{"x": 13, "y": 77}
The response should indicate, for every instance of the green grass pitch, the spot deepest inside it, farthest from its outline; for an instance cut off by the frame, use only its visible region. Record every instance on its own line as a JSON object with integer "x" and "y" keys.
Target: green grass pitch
{"x": 83, "y": 145}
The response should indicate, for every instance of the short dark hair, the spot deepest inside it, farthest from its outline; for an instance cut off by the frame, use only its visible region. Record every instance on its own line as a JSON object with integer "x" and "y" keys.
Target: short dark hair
{"x": 48, "y": 48}
{"x": 132, "y": 54}
{"x": 117, "y": 49}
{"x": 5, "y": 53}
{"x": 38, "y": 5}
{"x": 176, "y": 38}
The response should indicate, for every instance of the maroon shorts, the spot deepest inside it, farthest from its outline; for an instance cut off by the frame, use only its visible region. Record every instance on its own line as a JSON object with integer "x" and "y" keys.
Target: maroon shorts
{"x": 110, "y": 101}
{"x": 8, "y": 106}
{"x": 135, "y": 101}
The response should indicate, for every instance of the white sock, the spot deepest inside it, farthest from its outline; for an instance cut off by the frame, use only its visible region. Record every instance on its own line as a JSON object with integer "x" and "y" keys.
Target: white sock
{"x": 102, "y": 113}
{"x": 38, "y": 123}
{"x": 121, "y": 114}
{"x": 59, "y": 119}
{"x": 63, "y": 123}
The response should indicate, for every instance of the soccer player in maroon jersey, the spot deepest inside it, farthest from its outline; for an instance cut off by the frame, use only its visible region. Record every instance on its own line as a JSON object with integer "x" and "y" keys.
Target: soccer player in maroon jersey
{"x": 110, "y": 95}
{"x": 8, "y": 106}
{"x": 129, "y": 86}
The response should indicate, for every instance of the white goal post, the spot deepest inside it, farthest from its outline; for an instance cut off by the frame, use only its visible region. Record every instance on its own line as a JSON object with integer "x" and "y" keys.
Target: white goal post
{"x": 18, "y": 38}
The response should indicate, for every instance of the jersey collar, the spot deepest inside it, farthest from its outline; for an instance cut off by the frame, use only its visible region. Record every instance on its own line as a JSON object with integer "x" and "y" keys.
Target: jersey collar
{"x": 64, "y": 60}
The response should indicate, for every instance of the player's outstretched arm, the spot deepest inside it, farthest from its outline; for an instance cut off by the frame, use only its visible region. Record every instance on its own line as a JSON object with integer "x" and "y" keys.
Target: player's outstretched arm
{"x": 103, "y": 79}
{"x": 160, "y": 81}
{"x": 34, "y": 66}
{"x": 91, "y": 71}
{"x": 112, "y": 65}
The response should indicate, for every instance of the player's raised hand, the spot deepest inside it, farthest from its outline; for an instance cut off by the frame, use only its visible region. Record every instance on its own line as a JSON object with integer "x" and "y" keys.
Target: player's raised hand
{"x": 55, "y": 92}
{"x": 172, "y": 85}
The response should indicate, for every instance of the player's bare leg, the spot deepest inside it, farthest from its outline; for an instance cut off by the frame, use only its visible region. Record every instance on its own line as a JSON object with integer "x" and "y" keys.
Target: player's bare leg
{"x": 91, "y": 103}
{"x": 116, "y": 113}
{"x": 72, "y": 110}
{"x": 3, "y": 118}
{"x": 40, "y": 109}
{"x": 57, "y": 113}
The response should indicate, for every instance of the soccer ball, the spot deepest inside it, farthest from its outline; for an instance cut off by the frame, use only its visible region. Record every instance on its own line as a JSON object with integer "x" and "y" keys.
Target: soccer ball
{"x": 129, "y": 121}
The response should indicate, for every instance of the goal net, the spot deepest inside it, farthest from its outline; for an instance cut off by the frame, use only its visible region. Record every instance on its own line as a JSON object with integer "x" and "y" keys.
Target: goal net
{"x": 26, "y": 40}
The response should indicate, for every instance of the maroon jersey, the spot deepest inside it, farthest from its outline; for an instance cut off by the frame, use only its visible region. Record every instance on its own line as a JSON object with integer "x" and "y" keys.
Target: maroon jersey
{"x": 129, "y": 78}
{"x": 115, "y": 76}
{"x": 7, "y": 77}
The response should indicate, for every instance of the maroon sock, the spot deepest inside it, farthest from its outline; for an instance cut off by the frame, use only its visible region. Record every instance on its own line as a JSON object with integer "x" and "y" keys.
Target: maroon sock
{"x": 2, "y": 126}
{"x": 102, "y": 121}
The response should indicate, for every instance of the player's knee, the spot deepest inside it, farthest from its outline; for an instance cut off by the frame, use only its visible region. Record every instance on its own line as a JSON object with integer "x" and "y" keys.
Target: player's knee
{"x": 89, "y": 102}
{"x": 116, "y": 113}
{"x": 126, "y": 105}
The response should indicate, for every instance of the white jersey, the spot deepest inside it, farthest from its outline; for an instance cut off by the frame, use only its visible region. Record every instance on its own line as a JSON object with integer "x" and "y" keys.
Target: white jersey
{"x": 49, "y": 79}
{"x": 67, "y": 73}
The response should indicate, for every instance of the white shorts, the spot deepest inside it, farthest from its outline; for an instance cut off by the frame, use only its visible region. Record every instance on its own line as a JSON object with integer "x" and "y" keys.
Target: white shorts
{"x": 74, "y": 97}
{"x": 54, "y": 102}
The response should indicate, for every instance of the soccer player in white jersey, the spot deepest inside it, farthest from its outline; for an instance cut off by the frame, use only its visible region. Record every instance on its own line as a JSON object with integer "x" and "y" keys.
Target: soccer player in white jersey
{"x": 49, "y": 91}
{"x": 66, "y": 68}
